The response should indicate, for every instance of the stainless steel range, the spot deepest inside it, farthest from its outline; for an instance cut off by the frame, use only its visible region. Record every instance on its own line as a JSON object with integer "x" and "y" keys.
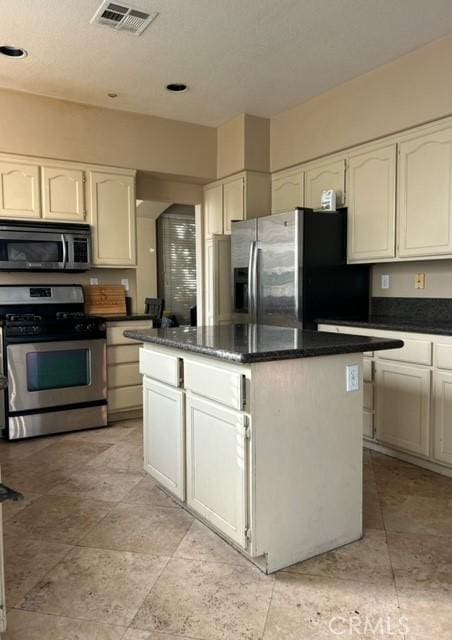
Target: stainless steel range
{"x": 54, "y": 357}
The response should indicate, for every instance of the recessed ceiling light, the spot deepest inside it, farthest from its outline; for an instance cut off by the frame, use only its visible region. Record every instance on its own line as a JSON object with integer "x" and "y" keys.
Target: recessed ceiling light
{"x": 176, "y": 87}
{"x": 112, "y": 94}
{"x": 13, "y": 52}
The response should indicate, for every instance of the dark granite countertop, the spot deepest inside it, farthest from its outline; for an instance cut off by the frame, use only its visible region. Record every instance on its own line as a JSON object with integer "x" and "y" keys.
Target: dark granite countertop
{"x": 9, "y": 494}
{"x": 125, "y": 317}
{"x": 393, "y": 323}
{"x": 259, "y": 343}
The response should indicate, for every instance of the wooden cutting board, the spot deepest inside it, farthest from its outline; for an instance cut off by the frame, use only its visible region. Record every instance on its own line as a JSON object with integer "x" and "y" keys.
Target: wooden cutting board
{"x": 105, "y": 299}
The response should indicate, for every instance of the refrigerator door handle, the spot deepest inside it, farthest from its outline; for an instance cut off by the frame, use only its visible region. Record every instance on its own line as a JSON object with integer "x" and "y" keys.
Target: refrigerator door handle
{"x": 251, "y": 282}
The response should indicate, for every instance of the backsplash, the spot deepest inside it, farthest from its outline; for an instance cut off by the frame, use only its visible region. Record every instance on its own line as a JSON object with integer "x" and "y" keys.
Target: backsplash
{"x": 413, "y": 309}
{"x": 438, "y": 279}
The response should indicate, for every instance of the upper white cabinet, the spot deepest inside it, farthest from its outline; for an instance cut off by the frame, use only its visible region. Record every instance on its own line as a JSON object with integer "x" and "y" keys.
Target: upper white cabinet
{"x": 371, "y": 200}
{"x": 323, "y": 176}
{"x": 19, "y": 190}
{"x": 63, "y": 194}
{"x": 233, "y": 202}
{"x": 239, "y": 197}
{"x": 112, "y": 215}
{"x": 425, "y": 194}
{"x": 287, "y": 191}
{"x": 213, "y": 207}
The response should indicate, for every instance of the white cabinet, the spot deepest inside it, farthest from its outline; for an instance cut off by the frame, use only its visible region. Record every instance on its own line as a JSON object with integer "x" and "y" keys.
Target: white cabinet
{"x": 217, "y": 466}
{"x": 112, "y": 216}
{"x": 371, "y": 201}
{"x": 213, "y": 208}
{"x": 287, "y": 191}
{"x": 218, "y": 294}
{"x": 19, "y": 190}
{"x": 403, "y": 406}
{"x": 442, "y": 393}
{"x": 164, "y": 435}
{"x": 425, "y": 194}
{"x": 323, "y": 176}
{"x": 233, "y": 202}
{"x": 63, "y": 194}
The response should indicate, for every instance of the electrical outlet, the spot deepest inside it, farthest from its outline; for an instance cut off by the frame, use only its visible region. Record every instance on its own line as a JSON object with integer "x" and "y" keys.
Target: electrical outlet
{"x": 352, "y": 377}
{"x": 419, "y": 281}
{"x": 385, "y": 282}
{"x": 125, "y": 283}
{"x": 94, "y": 280}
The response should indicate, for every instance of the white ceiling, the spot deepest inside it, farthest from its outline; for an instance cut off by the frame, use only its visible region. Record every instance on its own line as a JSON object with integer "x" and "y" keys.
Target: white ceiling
{"x": 254, "y": 56}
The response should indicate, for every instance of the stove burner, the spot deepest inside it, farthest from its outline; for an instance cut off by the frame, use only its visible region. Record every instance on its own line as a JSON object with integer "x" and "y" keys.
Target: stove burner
{"x": 68, "y": 315}
{"x": 22, "y": 317}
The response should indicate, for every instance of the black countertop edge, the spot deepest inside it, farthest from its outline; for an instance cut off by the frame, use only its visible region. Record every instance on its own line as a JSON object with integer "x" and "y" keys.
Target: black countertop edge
{"x": 9, "y": 494}
{"x": 122, "y": 318}
{"x": 391, "y": 324}
{"x": 311, "y": 344}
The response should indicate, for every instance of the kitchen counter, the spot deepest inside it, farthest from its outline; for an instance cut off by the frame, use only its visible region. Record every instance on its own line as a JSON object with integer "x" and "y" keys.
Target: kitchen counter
{"x": 393, "y": 323}
{"x": 259, "y": 343}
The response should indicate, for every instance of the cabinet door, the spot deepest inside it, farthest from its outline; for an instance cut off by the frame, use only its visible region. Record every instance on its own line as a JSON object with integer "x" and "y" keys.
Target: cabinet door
{"x": 443, "y": 416}
{"x": 213, "y": 209}
{"x": 217, "y": 466}
{"x": 164, "y": 435}
{"x": 402, "y": 409}
{"x": 19, "y": 190}
{"x": 63, "y": 194}
{"x": 233, "y": 202}
{"x": 112, "y": 214}
{"x": 218, "y": 280}
{"x": 371, "y": 201}
{"x": 287, "y": 191}
{"x": 322, "y": 177}
{"x": 425, "y": 195}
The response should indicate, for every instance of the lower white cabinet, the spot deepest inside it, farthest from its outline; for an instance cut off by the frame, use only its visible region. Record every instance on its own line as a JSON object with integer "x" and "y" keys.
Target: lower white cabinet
{"x": 217, "y": 449}
{"x": 403, "y": 406}
{"x": 442, "y": 390}
{"x": 164, "y": 435}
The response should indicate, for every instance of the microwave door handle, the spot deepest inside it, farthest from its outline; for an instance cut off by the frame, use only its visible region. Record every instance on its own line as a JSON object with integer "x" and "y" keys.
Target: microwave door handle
{"x": 63, "y": 240}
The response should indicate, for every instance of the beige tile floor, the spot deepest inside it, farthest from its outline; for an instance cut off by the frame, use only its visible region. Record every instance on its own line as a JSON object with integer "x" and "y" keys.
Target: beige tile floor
{"x": 98, "y": 552}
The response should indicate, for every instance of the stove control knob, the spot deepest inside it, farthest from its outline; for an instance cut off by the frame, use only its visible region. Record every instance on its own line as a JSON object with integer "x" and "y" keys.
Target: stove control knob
{"x": 78, "y": 328}
{"x": 90, "y": 327}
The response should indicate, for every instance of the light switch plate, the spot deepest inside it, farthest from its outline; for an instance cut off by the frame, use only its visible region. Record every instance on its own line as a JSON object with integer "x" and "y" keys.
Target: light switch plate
{"x": 385, "y": 282}
{"x": 352, "y": 377}
{"x": 94, "y": 280}
{"x": 125, "y": 283}
{"x": 419, "y": 281}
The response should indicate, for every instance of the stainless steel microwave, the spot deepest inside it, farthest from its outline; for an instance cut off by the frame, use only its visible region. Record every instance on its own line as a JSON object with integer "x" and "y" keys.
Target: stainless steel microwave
{"x": 45, "y": 246}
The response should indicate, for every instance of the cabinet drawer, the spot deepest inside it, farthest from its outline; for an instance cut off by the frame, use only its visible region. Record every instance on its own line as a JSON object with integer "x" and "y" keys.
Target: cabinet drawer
{"x": 413, "y": 351}
{"x": 216, "y": 383}
{"x": 125, "y": 398}
{"x": 443, "y": 356}
{"x": 368, "y": 424}
{"x": 160, "y": 366}
{"x": 123, "y": 353}
{"x": 123, "y": 375}
{"x": 368, "y": 395}
{"x": 367, "y": 370}
{"x": 115, "y": 335}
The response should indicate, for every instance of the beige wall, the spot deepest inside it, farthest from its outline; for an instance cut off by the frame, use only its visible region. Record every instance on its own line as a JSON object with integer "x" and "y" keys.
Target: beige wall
{"x": 412, "y": 90}
{"x": 438, "y": 283}
{"x": 243, "y": 143}
{"x": 35, "y": 125}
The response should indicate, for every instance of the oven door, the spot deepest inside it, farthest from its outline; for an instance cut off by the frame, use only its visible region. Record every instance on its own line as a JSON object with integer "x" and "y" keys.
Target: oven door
{"x": 56, "y": 374}
{"x": 27, "y": 250}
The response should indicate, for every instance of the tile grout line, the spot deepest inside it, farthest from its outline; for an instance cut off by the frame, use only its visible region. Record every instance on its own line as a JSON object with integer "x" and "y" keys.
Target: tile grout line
{"x": 268, "y": 608}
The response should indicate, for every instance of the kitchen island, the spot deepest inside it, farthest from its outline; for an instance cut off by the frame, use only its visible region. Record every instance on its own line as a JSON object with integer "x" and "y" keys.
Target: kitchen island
{"x": 257, "y": 431}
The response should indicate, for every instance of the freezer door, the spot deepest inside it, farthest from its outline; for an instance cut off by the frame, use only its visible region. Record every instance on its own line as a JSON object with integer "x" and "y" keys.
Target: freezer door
{"x": 243, "y": 241}
{"x": 278, "y": 269}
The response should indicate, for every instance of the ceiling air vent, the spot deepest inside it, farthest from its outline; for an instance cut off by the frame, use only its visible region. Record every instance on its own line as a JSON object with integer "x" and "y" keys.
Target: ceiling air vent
{"x": 123, "y": 17}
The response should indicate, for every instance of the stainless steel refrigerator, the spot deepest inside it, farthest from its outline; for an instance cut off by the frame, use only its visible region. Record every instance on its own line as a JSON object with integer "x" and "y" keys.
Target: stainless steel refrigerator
{"x": 290, "y": 269}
